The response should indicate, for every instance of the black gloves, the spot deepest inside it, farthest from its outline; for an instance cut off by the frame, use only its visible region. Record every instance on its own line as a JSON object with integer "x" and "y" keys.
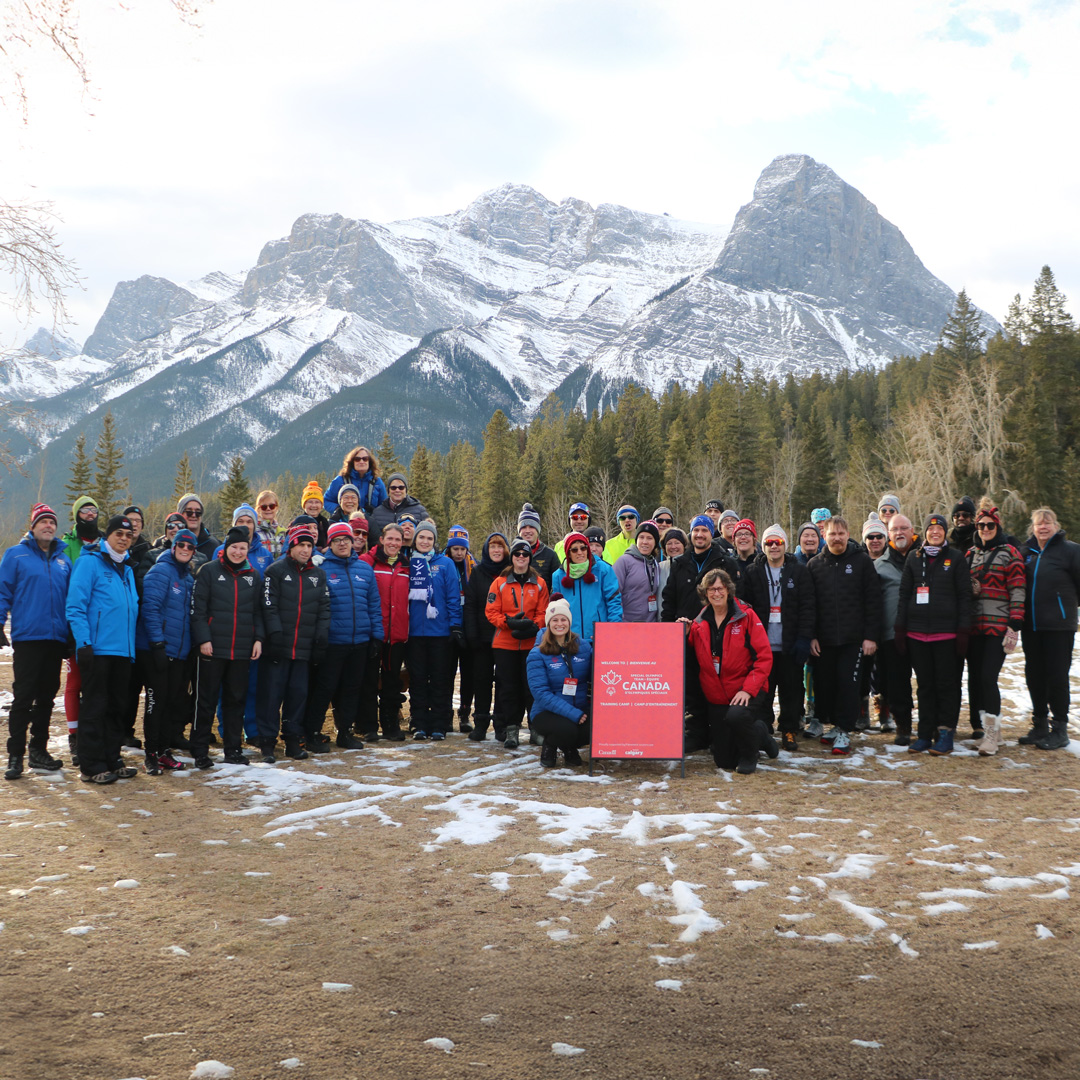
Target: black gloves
{"x": 84, "y": 657}
{"x": 161, "y": 657}
{"x": 459, "y": 637}
{"x": 522, "y": 629}
{"x": 374, "y": 649}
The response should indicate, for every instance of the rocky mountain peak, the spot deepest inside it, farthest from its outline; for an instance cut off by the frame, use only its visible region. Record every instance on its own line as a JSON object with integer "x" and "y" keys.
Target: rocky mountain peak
{"x": 50, "y": 344}
{"x": 138, "y": 310}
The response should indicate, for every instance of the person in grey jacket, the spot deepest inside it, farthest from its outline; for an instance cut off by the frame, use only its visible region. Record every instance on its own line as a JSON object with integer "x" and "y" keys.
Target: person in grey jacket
{"x": 638, "y": 572}
{"x": 894, "y": 670}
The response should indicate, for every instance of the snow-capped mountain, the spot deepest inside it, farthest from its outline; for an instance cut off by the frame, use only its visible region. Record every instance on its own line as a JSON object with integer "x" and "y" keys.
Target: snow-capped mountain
{"x": 347, "y": 327}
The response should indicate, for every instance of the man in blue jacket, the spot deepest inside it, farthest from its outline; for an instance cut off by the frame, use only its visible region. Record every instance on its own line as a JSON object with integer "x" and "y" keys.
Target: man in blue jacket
{"x": 102, "y": 606}
{"x": 34, "y": 577}
{"x": 356, "y": 633}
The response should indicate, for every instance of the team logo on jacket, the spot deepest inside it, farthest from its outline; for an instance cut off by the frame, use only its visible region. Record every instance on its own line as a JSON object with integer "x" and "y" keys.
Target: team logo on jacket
{"x": 790, "y": 584}
{"x": 314, "y": 579}
{"x": 249, "y": 578}
{"x": 333, "y": 578}
{"x": 287, "y": 577}
{"x": 176, "y": 588}
{"x": 221, "y": 577}
{"x": 736, "y": 629}
{"x": 847, "y": 568}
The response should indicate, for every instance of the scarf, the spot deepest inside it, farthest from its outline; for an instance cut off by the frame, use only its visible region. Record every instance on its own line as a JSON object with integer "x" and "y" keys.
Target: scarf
{"x": 577, "y": 569}
{"x": 420, "y": 584}
{"x": 931, "y": 551}
{"x": 116, "y": 556}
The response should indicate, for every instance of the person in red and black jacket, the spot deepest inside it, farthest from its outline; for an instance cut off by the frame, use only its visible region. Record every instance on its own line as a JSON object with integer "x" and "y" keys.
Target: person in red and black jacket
{"x": 296, "y": 611}
{"x": 734, "y": 660}
{"x": 227, "y": 632}
{"x": 392, "y": 576}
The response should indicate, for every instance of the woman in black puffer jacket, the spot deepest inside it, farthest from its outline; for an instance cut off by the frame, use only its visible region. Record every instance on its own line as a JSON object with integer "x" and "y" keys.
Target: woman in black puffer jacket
{"x": 933, "y": 621}
{"x": 479, "y": 633}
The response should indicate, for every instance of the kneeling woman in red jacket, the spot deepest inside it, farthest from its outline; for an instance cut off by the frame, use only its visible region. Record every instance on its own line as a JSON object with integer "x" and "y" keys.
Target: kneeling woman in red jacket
{"x": 734, "y": 659}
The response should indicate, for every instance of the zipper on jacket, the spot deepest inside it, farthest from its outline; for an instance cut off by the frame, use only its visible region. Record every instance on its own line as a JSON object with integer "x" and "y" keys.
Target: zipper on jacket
{"x": 1034, "y": 587}
{"x": 299, "y": 609}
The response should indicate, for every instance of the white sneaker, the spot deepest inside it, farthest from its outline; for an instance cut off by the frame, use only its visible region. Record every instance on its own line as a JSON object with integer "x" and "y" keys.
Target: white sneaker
{"x": 832, "y": 734}
{"x": 841, "y": 743}
{"x": 813, "y": 728}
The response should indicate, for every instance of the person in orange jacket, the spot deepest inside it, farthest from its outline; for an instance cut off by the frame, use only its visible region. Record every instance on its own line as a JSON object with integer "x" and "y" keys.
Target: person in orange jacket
{"x": 515, "y": 606}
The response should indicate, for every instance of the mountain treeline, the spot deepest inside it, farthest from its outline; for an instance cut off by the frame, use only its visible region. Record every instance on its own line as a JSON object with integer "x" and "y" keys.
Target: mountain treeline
{"x": 998, "y": 417}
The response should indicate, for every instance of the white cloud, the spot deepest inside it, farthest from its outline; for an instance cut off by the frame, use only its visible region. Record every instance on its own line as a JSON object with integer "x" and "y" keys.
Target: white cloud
{"x": 204, "y": 144}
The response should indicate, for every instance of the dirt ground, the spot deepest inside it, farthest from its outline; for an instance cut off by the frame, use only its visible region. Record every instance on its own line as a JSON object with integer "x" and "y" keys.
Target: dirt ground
{"x": 887, "y": 915}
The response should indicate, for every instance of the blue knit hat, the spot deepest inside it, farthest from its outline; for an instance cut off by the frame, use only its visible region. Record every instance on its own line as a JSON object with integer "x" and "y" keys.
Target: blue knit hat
{"x": 703, "y": 519}
{"x": 626, "y": 508}
{"x": 458, "y": 537}
{"x": 242, "y": 509}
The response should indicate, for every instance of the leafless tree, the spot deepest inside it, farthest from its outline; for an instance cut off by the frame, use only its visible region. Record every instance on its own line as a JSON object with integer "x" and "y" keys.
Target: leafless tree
{"x": 605, "y": 498}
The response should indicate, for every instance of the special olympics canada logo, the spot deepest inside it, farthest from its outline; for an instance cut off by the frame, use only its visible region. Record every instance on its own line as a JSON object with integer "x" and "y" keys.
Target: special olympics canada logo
{"x": 611, "y": 678}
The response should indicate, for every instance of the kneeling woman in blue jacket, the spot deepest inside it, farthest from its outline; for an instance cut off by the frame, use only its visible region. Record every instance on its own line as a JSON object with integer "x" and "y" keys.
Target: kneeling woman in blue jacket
{"x": 560, "y": 677}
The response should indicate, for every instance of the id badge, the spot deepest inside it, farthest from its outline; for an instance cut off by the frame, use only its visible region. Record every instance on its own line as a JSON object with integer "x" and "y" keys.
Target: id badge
{"x": 652, "y": 603}
{"x": 774, "y": 614}
{"x": 922, "y": 594}
{"x": 569, "y": 687}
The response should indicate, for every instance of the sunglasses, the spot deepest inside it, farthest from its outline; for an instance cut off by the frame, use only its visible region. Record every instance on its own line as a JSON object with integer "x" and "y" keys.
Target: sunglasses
{"x": 123, "y": 533}
{"x": 267, "y": 506}
{"x": 579, "y": 517}
{"x": 193, "y": 513}
{"x": 184, "y": 545}
{"x": 397, "y": 487}
{"x": 876, "y": 536}
{"x": 986, "y": 526}
{"x": 628, "y": 517}
{"x": 774, "y": 543}
{"x": 356, "y": 459}
{"x": 522, "y": 555}
{"x": 665, "y": 521}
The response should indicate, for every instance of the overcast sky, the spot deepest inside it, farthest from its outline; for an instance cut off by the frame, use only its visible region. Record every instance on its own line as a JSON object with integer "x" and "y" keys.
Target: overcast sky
{"x": 199, "y": 144}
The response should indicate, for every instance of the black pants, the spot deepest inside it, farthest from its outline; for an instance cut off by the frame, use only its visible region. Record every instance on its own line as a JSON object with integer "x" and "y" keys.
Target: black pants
{"x": 786, "y": 681}
{"x": 894, "y": 680}
{"x": 101, "y": 711}
{"x": 229, "y": 678}
{"x": 280, "y": 699}
{"x": 131, "y": 706}
{"x": 735, "y": 732}
{"x": 1047, "y": 656}
{"x": 168, "y": 703}
{"x": 483, "y": 685}
{"x": 463, "y": 663}
{"x": 837, "y": 684}
{"x": 387, "y": 680}
{"x": 431, "y": 684}
{"x": 694, "y": 704}
{"x": 340, "y": 677}
{"x": 935, "y": 668}
{"x": 513, "y": 698}
{"x": 986, "y": 654}
{"x": 558, "y": 731}
{"x": 36, "y": 669}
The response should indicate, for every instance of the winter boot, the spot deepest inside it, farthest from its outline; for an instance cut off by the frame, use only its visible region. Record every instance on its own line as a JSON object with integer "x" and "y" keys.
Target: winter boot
{"x": 268, "y": 748}
{"x": 236, "y": 757}
{"x": 510, "y": 742}
{"x": 42, "y": 759}
{"x": 863, "y": 722}
{"x": 572, "y": 757}
{"x": 463, "y": 722}
{"x": 1040, "y": 729}
{"x": 989, "y": 745}
{"x": 295, "y": 750}
{"x": 548, "y": 756}
{"x": 15, "y": 767}
{"x": 903, "y": 729}
{"x": 1058, "y": 738}
{"x": 885, "y": 720}
{"x": 479, "y": 732}
{"x": 767, "y": 742}
{"x": 747, "y": 765}
{"x": 73, "y": 746}
{"x": 347, "y": 741}
{"x": 317, "y": 743}
{"x": 944, "y": 743}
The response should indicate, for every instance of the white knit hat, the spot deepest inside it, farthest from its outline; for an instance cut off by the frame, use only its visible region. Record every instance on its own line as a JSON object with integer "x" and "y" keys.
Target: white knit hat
{"x": 557, "y": 607}
{"x": 774, "y": 531}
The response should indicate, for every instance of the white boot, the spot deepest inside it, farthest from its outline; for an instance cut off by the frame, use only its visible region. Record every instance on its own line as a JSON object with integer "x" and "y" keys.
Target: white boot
{"x": 989, "y": 745}
{"x": 984, "y": 722}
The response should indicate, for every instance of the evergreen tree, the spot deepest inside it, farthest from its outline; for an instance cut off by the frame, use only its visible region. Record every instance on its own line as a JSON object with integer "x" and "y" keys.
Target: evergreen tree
{"x": 388, "y": 461}
{"x": 500, "y": 497}
{"x": 465, "y": 505}
{"x": 422, "y": 470}
{"x": 1045, "y": 311}
{"x": 109, "y": 486}
{"x": 184, "y": 482}
{"x": 236, "y": 489}
{"x": 961, "y": 341}
{"x": 81, "y": 477}
{"x": 639, "y": 447}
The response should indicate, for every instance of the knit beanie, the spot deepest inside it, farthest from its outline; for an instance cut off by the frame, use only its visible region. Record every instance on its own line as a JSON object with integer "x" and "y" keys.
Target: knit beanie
{"x": 803, "y": 527}
{"x": 79, "y": 503}
{"x": 295, "y": 535}
{"x": 874, "y": 524}
{"x": 396, "y": 476}
{"x": 822, "y": 513}
{"x": 312, "y": 491}
{"x": 339, "y": 528}
{"x": 528, "y": 516}
{"x": 936, "y": 519}
{"x": 133, "y": 509}
{"x": 348, "y": 487}
{"x": 42, "y": 512}
{"x": 520, "y": 544}
{"x": 427, "y": 525}
{"x": 458, "y": 536}
{"x": 190, "y": 497}
{"x": 728, "y": 514}
{"x": 119, "y": 521}
{"x": 185, "y": 535}
{"x": 626, "y": 508}
{"x": 557, "y": 607}
{"x": 663, "y": 510}
{"x": 713, "y": 504}
{"x": 704, "y": 519}
{"x": 245, "y": 509}
{"x": 359, "y": 524}
{"x": 746, "y": 523}
{"x": 649, "y": 527}
{"x": 675, "y": 533}
{"x": 175, "y": 519}
{"x": 889, "y": 500}
{"x": 235, "y": 535}
{"x": 595, "y": 535}
{"x": 774, "y": 532}
{"x": 966, "y": 505}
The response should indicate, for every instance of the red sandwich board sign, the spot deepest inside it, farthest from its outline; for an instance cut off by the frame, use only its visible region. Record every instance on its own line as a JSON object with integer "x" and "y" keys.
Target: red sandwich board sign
{"x": 637, "y": 691}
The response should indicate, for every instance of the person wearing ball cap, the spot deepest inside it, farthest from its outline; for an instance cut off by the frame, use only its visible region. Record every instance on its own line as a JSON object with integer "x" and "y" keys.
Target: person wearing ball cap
{"x": 628, "y": 519}
{"x": 34, "y": 576}
{"x": 102, "y": 607}
{"x": 559, "y": 670}
{"x": 579, "y": 517}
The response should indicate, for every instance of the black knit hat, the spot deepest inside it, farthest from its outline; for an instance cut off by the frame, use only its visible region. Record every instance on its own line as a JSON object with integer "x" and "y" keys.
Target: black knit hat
{"x": 595, "y": 535}
{"x": 237, "y": 536}
{"x": 118, "y": 522}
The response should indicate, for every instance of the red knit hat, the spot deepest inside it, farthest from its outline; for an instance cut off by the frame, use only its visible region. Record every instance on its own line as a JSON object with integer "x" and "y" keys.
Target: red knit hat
{"x": 359, "y": 524}
{"x": 745, "y": 523}
{"x": 40, "y": 511}
{"x": 339, "y": 528}
{"x": 298, "y": 533}
{"x": 589, "y": 577}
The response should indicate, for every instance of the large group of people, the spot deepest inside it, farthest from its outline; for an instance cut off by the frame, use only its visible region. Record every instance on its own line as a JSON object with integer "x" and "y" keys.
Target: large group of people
{"x": 353, "y": 607}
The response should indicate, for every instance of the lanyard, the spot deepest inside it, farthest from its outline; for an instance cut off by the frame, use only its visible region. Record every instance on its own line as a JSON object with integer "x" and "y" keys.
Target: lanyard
{"x": 774, "y": 585}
